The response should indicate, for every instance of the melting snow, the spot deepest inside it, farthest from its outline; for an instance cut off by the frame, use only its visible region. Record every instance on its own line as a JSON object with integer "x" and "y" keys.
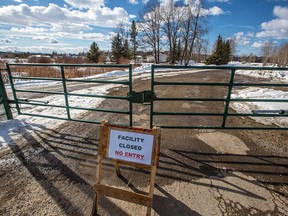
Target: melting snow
{"x": 11, "y": 130}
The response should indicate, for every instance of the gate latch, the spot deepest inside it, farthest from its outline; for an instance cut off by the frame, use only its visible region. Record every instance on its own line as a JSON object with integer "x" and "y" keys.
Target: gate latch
{"x": 141, "y": 97}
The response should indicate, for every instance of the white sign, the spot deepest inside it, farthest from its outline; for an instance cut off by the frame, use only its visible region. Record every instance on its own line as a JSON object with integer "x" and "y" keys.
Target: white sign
{"x": 130, "y": 146}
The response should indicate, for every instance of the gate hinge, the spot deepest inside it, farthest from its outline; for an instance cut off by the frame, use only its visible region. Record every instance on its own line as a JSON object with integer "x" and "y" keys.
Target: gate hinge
{"x": 141, "y": 97}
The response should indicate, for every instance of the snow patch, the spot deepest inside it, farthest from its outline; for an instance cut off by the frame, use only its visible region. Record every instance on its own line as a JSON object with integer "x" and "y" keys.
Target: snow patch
{"x": 261, "y": 93}
{"x": 11, "y": 130}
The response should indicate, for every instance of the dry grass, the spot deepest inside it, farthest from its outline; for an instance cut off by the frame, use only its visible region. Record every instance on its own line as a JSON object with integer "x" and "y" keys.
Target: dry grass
{"x": 55, "y": 71}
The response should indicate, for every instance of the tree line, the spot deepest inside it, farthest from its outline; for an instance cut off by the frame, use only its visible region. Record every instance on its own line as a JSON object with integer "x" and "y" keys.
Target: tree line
{"x": 177, "y": 28}
{"x": 277, "y": 55}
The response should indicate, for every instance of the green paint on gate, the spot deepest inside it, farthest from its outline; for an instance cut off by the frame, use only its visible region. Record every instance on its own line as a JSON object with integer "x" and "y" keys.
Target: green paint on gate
{"x": 148, "y": 96}
{"x": 227, "y": 100}
{"x": 66, "y": 93}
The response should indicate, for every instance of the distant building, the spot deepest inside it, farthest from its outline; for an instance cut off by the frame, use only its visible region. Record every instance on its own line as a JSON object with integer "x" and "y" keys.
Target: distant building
{"x": 162, "y": 58}
{"x": 139, "y": 59}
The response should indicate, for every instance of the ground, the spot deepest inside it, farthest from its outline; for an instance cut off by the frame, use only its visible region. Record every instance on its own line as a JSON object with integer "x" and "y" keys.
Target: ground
{"x": 201, "y": 172}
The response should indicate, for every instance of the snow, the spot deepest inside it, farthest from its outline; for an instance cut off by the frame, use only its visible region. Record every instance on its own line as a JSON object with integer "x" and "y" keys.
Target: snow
{"x": 11, "y": 130}
{"x": 261, "y": 93}
{"x": 280, "y": 75}
{"x": 32, "y": 83}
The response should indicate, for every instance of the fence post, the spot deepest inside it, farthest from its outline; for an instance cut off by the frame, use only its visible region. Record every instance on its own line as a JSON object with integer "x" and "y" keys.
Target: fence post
{"x": 4, "y": 98}
{"x": 13, "y": 88}
{"x": 152, "y": 102}
{"x": 226, "y": 111}
{"x": 65, "y": 92}
{"x": 130, "y": 102}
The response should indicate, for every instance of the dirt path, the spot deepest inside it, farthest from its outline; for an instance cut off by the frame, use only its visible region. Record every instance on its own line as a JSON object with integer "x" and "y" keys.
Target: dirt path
{"x": 201, "y": 172}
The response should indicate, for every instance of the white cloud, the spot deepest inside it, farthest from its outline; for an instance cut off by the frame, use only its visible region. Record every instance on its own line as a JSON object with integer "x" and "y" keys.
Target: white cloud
{"x": 215, "y": 11}
{"x": 241, "y": 38}
{"x": 44, "y": 49}
{"x": 70, "y": 27}
{"x": 275, "y": 24}
{"x": 258, "y": 44}
{"x": 276, "y": 28}
{"x": 84, "y": 4}
{"x": 281, "y": 12}
{"x": 53, "y": 40}
{"x": 53, "y": 14}
{"x": 18, "y": 1}
{"x": 166, "y": 2}
{"x": 134, "y": 1}
{"x": 218, "y": 0}
{"x": 239, "y": 34}
{"x": 145, "y": 2}
{"x": 94, "y": 37}
{"x": 131, "y": 16}
{"x": 57, "y": 31}
{"x": 28, "y": 29}
{"x": 43, "y": 38}
{"x": 7, "y": 41}
{"x": 250, "y": 34}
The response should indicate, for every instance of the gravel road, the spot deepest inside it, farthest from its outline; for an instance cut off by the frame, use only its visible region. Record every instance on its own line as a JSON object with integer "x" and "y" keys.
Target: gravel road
{"x": 201, "y": 172}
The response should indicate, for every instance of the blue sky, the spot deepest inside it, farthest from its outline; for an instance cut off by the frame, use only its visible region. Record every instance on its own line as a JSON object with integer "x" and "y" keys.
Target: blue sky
{"x": 70, "y": 26}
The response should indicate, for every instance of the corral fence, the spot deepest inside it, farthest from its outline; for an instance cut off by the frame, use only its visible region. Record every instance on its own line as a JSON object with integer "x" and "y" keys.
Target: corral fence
{"x": 226, "y": 112}
{"x": 148, "y": 96}
{"x": 18, "y": 72}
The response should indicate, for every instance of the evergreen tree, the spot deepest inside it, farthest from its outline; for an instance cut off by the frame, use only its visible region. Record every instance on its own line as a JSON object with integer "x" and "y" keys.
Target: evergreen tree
{"x": 117, "y": 49}
{"x": 126, "y": 50}
{"x": 94, "y": 53}
{"x": 226, "y": 52}
{"x": 133, "y": 39}
{"x": 221, "y": 54}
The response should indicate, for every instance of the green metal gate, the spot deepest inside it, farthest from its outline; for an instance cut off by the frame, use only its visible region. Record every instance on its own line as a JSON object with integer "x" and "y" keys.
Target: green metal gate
{"x": 226, "y": 111}
{"x": 65, "y": 93}
{"x": 148, "y": 96}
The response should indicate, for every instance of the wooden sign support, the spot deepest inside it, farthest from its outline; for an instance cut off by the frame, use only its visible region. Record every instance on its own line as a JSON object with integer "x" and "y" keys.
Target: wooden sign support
{"x": 106, "y": 141}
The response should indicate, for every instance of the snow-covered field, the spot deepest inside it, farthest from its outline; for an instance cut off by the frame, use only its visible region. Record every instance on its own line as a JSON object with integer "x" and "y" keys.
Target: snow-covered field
{"x": 11, "y": 130}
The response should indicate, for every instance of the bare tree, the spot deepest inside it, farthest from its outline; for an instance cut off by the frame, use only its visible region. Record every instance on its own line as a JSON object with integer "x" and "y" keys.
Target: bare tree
{"x": 186, "y": 29}
{"x": 200, "y": 50}
{"x": 233, "y": 47}
{"x": 267, "y": 52}
{"x": 171, "y": 22}
{"x": 150, "y": 25}
{"x": 123, "y": 30}
{"x": 180, "y": 27}
{"x": 193, "y": 28}
{"x": 283, "y": 55}
{"x": 205, "y": 49}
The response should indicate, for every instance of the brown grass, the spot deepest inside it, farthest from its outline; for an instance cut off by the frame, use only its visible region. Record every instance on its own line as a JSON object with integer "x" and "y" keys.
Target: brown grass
{"x": 55, "y": 72}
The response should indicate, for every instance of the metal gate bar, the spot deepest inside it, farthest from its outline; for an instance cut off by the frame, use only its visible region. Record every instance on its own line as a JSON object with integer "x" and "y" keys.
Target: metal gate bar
{"x": 65, "y": 92}
{"x": 4, "y": 98}
{"x": 227, "y": 100}
{"x": 133, "y": 98}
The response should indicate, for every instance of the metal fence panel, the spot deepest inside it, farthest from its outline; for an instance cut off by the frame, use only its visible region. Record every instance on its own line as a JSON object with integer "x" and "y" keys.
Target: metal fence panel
{"x": 225, "y": 114}
{"x": 65, "y": 93}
